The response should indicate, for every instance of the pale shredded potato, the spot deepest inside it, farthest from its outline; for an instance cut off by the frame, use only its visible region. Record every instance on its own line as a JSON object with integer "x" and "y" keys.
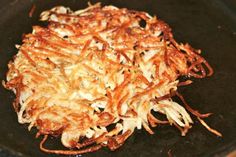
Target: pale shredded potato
{"x": 96, "y": 67}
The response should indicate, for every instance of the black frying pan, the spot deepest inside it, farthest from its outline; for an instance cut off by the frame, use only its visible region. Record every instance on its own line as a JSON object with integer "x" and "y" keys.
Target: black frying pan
{"x": 208, "y": 25}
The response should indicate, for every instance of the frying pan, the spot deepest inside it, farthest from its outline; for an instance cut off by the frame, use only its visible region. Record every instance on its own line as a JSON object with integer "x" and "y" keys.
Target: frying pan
{"x": 208, "y": 25}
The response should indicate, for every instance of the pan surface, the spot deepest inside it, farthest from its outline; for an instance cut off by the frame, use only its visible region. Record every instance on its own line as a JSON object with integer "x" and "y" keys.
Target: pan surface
{"x": 206, "y": 25}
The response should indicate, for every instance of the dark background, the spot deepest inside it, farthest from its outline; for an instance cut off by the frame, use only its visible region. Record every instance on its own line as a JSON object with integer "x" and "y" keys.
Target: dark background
{"x": 209, "y": 25}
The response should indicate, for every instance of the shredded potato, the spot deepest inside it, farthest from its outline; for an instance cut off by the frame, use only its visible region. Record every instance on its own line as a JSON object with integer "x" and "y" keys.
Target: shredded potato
{"x": 93, "y": 68}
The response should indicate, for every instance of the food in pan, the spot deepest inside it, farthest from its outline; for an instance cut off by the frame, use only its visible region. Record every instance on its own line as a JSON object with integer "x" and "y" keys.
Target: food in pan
{"x": 94, "y": 76}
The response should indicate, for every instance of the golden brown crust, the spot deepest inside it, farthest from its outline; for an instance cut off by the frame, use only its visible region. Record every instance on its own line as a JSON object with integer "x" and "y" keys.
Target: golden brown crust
{"x": 97, "y": 67}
